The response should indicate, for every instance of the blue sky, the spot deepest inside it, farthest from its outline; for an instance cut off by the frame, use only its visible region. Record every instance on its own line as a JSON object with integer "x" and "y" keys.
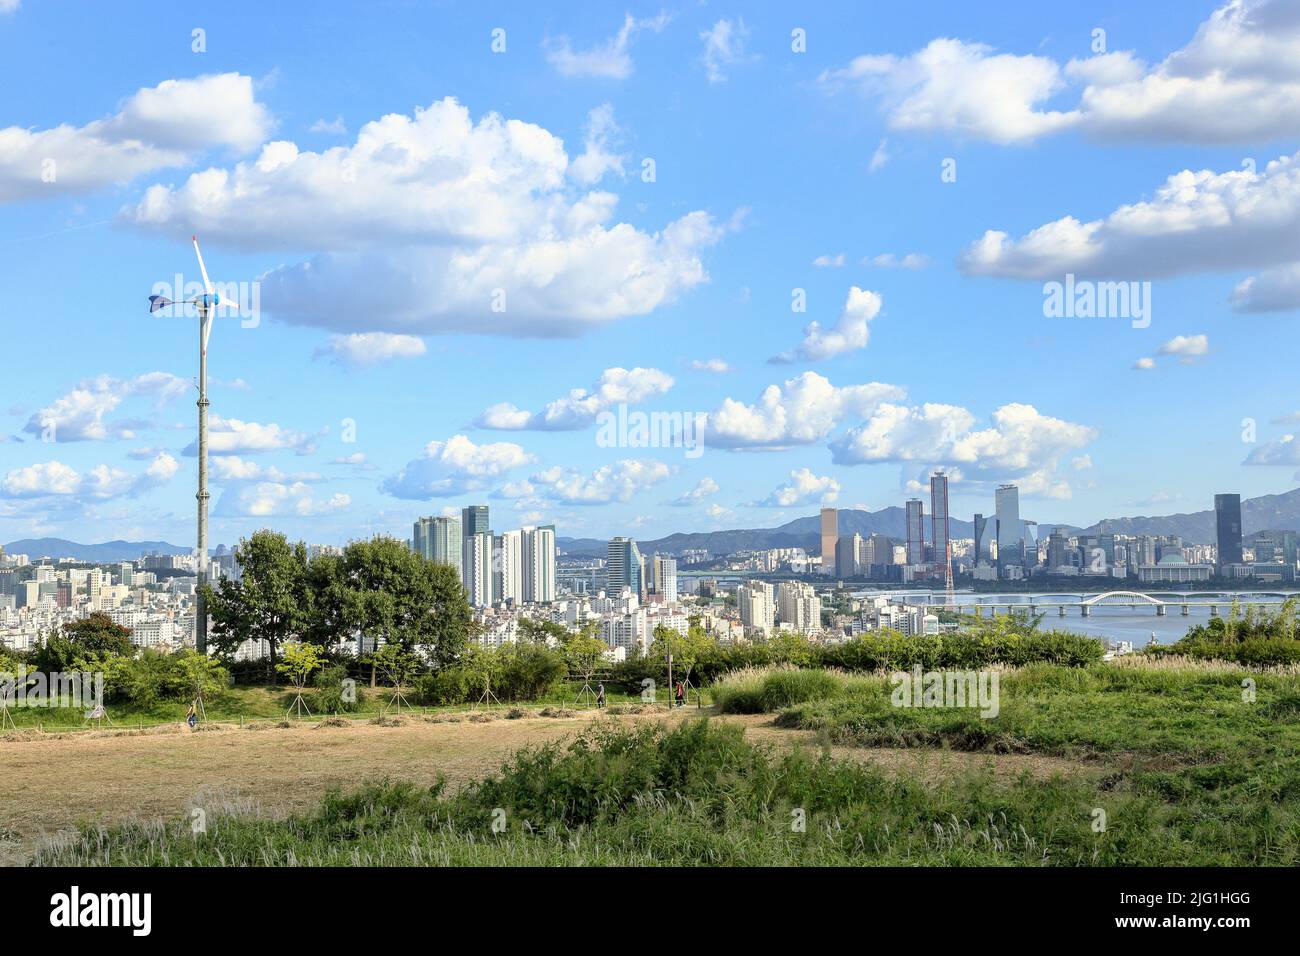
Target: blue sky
{"x": 379, "y": 175}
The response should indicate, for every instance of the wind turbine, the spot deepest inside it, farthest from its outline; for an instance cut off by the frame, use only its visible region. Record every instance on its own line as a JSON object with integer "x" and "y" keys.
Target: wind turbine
{"x": 207, "y": 307}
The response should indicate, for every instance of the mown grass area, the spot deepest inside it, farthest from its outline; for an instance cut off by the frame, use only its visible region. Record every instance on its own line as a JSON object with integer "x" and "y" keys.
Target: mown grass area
{"x": 699, "y": 794}
{"x": 1176, "y": 758}
{"x": 272, "y": 703}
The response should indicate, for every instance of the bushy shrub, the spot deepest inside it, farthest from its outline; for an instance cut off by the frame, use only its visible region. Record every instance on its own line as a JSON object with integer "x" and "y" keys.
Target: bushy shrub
{"x": 530, "y": 671}
{"x": 330, "y": 698}
{"x": 154, "y": 677}
{"x": 1257, "y": 637}
{"x": 519, "y": 672}
{"x": 1269, "y": 651}
{"x": 1015, "y": 643}
{"x": 446, "y": 686}
{"x": 740, "y": 692}
{"x": 1253, "y": 651}
{"x": 757, "y": 690}
{"x": 785, "y": 687}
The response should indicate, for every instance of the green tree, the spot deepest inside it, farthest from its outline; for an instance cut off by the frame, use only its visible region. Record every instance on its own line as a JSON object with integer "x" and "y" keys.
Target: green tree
{"x": 583, "y": 650}
{"x": 298, "y": 661}
{"x": 687, "y": 649}
{"x": 93, "y": 636}
{"x": 397, "y": 665}
{"x": 327, "y": 602}
{"x": 791, "y": 647}
{"x": 154, "y": 676}
{"x": 271, "y": 602}
{"x": 538, "y": 631}
{"x": 391, "y": 592}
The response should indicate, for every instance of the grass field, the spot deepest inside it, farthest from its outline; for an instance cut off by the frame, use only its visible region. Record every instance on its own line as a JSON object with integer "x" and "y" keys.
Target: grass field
{"x": 1180, "y": 767}
{"x": 247, "y": 704}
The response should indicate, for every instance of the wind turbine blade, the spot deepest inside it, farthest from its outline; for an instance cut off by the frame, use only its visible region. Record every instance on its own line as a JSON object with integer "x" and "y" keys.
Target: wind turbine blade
{"x": 207, "y": 283}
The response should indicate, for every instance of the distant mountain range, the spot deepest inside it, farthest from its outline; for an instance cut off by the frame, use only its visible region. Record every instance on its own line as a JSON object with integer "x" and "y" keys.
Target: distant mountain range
{"x": 105, "y": 553}
{"x": 1269, "y": 512}
{"x": 1266, "y": 513}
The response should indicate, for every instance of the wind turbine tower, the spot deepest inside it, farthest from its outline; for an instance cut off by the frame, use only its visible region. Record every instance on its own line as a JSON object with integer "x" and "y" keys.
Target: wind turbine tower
{"x": 207, "y": 305}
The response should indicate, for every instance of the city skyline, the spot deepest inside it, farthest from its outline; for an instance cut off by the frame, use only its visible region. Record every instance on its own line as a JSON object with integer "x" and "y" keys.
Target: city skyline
{"x": 779, "y": 178}
{"x": 425, "y": 529}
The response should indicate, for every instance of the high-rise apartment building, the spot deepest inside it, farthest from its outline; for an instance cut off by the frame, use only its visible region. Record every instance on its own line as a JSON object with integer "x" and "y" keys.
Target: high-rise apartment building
{"x": 420, "y": 537}
{"x": 1142, "y": 551}
{"x": 939, "y": 525}
{"x": 756, "y": 603}
{"x": 1009, "y": 533}
{"x": 983, "y": 549}
{"x": 799, "y": 607}
{"x": 830, "y": 525}
{"x": 623, "y": 567}
{"x": 848, "y": 551}
{"x": 877, "y": 553}
{"x": 477, "y": 573}
{"x": 538, "y": 548}
{"x": 1227, "y": 529}
{"x": 1058, "y": 550}
{"x": 474, "y": 520}
{"x": 446, "y": 542}
{"x": 915, "y": 517}
{"x": 663, "y": 577}
{"x": 439, "y": 539}
{"x": 1029, "y": 543}
{"x": 508, "y": 566}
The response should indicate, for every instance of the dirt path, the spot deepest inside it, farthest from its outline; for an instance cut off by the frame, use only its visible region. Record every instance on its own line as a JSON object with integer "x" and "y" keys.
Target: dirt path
{"x": 53, "y": 784}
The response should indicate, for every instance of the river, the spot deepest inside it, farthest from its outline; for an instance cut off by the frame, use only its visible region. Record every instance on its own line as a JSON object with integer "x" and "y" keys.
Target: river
{"x": 1136, "y": 624}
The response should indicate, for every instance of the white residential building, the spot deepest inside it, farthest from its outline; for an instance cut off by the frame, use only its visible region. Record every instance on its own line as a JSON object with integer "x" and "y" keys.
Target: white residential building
{"x": 799, "y": 607}
{"x": 509, "y": 570}
{"x": 538, "y": 549}
{"x": 757, "y": 606}
{"x": 477, "y": 569}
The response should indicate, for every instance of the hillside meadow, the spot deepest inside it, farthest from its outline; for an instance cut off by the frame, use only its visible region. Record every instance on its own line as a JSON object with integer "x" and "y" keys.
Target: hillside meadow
{"x": 1151, "y": 763}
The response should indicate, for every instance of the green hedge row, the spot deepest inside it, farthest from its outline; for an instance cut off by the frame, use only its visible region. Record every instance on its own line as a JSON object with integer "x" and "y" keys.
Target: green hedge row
{"x": 883, "y": 650}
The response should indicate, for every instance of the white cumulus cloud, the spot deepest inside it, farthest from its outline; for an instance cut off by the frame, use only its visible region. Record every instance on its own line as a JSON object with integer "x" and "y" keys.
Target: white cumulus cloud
{"x": 803, "y": 488}
{"x": 1187, "y": 348}
{"x": 362, "y": 349}
{"x": 619, "y": 481}
{"x": 580, "y": 407}
{"x": 1196, "y": 222}
{"x": 704, "y": 488}
{"x": 851, "y": 331}
{"x": 724, "y": 47}
{"x": 232, "y": 436}
{"x": 611, "y": 59}
{"x": 1020, "y": 444}
{"x": 1236, "y": 81}
{"x": 82, "y": 414}
{"x": 158, "y": 127}
{"x": 454, "y": 467}
{"x": 800, "y": 411}
{"x": 273, "y": 499}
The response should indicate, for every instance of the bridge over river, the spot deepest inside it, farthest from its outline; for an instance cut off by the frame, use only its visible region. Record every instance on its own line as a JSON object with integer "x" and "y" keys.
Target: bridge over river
{"x": 1159, "y": 601}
